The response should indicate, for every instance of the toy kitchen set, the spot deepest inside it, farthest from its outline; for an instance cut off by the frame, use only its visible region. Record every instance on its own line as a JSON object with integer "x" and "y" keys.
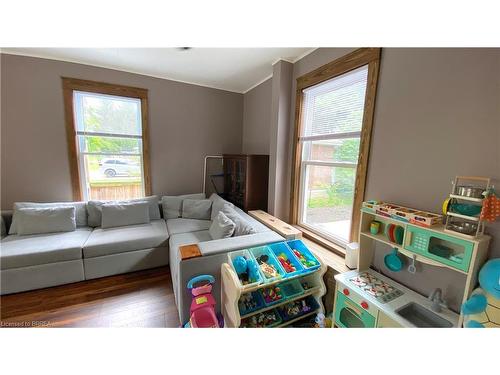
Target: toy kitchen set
{"x": 454, "y": 240}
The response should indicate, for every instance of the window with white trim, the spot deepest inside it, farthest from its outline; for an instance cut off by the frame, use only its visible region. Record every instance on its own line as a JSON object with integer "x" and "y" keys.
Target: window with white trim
{"x": 109, "y": 145}
{"x": 330, "y": 137}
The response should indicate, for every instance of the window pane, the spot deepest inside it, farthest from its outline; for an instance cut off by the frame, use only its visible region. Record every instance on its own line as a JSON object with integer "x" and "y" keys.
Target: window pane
{"x": 107, "y": 114}
{"x": 110, "y": 145}
{"x": 328, "y": 197}
{"x": 112, "y": 177}
{"x": 337, "y": 105}
{"x": 333, "y": 150}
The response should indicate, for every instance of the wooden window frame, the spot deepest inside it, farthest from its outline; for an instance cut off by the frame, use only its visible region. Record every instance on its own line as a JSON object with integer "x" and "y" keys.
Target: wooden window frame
{"x": 72, "y": 84}
{"x": 342, "y": 65}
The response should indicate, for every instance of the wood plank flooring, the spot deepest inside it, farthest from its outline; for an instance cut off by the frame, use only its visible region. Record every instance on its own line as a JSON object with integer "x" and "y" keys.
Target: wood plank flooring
{"x": 138, "y": 299}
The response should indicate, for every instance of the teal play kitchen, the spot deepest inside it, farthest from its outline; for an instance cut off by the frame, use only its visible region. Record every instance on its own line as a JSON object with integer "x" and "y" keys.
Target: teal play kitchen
{"x": 427, "y": 245}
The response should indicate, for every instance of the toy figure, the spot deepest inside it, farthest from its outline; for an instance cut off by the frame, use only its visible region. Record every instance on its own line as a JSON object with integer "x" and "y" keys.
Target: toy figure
{"x": 248, "y": 271}
{"x": 482, "y": 309}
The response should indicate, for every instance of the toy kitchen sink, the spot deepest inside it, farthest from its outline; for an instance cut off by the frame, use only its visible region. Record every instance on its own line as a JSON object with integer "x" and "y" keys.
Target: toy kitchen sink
{"x": 367, "y": 299}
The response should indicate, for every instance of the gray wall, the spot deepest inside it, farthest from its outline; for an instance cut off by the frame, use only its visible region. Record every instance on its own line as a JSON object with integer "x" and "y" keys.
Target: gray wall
{"x": 256, "y": 119}
{"x": 437, "y": 115}
{"x": 186, "y": 122}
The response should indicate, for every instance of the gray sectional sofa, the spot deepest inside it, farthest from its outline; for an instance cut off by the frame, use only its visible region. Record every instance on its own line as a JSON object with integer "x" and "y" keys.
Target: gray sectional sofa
{"x": 43, "y": 260}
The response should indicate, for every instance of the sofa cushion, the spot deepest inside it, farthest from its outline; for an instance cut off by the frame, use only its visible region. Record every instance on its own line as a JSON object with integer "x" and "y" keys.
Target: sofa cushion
{"x": 123, "y": 214}
{"x": 221, "y": 227}
{"x": 181, "y": 225}
{"x": 172, "y": 205}
{"x": 80, "y": 212}
{"x": 242, "y": 226}
{"x": 4, "y": 229}
{"x": 122, "y": 239}
{"x": 218, "y": 204}
{"x": 95, "y": 209}
{"x": 257, "y": 225}
{"x": 175, "y": 242}
{"x": 45, "y": 220}
{"x": 196, "y": 209}
{"x": 32, "y": 250}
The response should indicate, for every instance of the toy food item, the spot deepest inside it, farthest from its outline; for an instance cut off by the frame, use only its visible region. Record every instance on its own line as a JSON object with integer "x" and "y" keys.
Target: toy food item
{"x": 267, "y": 269}
{"x": 285, "y": 262}
{"x": 303, "y": 260}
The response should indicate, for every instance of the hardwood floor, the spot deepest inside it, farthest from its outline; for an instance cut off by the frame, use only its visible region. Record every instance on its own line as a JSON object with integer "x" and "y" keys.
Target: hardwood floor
{"x": 139, "y": 299}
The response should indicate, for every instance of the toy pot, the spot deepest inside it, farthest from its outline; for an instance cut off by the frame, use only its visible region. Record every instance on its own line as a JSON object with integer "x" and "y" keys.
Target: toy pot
{"x": 374, "y": 227}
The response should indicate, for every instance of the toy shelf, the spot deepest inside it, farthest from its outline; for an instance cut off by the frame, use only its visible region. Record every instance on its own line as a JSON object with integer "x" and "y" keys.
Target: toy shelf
{"x": 414, "y": 247}
{"x": 232, "y": 291}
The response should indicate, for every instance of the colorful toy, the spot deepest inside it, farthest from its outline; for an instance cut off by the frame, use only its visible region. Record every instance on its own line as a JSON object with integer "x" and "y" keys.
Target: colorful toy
{"x": 267, "y": 269}
{"x": 272, "y": 294}
{"x": 264, "y": 319}
{"x": 307, "y": 263}
{"x": 202, "y": 311}
{"x": 295, "y": 308}
{"x": 285, "y": 262}
{"x": 248, "y": 271}
{"x": 249, "y": 302}
{"x": 482, "y": 309}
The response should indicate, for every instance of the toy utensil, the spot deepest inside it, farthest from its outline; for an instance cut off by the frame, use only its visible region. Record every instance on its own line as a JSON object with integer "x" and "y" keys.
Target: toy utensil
{"x": 411, "y": 267}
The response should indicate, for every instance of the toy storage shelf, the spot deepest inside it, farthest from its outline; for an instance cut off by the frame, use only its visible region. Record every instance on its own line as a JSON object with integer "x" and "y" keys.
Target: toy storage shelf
{"x": 232, "y": 290}
{"x": 367, "y": 240}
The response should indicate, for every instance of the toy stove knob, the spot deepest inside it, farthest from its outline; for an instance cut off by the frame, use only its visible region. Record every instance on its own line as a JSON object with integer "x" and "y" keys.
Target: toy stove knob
{"x": 346, "y": 291}
{"x": 364, "y": 305}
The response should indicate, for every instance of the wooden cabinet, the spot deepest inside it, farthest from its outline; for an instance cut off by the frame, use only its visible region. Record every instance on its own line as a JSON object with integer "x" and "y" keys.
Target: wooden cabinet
{"x": 246, "y": 181}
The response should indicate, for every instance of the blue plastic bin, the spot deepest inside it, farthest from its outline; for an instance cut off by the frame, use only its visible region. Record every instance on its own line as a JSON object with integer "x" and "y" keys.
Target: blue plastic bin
{"x": 299, "y": 245}
{"x": 291, "y": 288}
{"x": 272, "y": 260}
{"x": 282, "y": 248}
{"x": 256, "y": 297}
{"x": 310, "y": 301}
{"x": 247, "y": 322}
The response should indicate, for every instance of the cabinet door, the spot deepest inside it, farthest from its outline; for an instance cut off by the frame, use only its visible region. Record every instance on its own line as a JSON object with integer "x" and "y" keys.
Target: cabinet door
{"x": 384, "y": 321}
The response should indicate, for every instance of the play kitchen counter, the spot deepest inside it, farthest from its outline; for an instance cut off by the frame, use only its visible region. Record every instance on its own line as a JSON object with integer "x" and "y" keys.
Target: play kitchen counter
{"x": 367, "y": 299}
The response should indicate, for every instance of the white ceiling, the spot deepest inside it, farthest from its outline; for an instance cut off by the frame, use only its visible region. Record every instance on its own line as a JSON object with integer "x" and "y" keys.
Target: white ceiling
{"x": 232, "y": 69}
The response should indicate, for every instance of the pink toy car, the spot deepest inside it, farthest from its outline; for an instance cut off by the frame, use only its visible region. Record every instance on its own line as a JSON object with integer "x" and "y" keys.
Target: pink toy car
{"x": 202, "y": 309}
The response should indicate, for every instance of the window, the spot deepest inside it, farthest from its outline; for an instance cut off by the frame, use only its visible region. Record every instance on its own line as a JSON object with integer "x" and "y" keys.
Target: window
{"x": 107, "y": 139}
{"x": 333, "y": 130}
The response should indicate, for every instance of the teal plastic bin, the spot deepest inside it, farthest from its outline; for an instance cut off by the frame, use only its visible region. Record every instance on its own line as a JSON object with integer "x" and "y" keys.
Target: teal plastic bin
{"x": 298, "y": 245}
{"x": 257, "y": 252}
{"x": 281, "y": 249}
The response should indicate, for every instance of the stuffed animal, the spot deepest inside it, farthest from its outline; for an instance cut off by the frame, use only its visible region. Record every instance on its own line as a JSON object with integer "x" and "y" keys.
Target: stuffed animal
{"x": 482, "y": 309}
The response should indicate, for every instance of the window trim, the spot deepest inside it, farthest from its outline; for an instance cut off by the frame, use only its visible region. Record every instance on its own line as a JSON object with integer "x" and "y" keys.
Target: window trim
{"x": 347, "y": 63}
{"x": 73, "y": 84}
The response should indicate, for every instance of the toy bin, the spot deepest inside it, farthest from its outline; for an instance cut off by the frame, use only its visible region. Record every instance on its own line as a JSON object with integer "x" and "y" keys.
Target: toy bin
{"x": 272, "y": 295}
{"x": 266, "y": 319}
{"x": 250, "y": 302}
{"x": 257, "y": 252}
{"x": 249, "y": 257}
{"x": 304, "y": 256}
{"x": 288, "y": 261}
{"x": 291, "y": 288}
{"x": 298, "y": 308}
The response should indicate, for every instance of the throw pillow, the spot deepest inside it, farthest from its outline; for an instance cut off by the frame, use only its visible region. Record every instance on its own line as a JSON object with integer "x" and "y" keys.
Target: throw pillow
{"x": 242, "y": 227}
{"x": 80, "y": 211}
{"x": 222, "y": 227}
{"x": 120, "y": 215}
{"x": 45, "y": 220}
{"x": 172, "y": 205}
{"x": 196, "y": 209}
{"x": 218, "y": 205}
{"x": 94, "y": 209}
